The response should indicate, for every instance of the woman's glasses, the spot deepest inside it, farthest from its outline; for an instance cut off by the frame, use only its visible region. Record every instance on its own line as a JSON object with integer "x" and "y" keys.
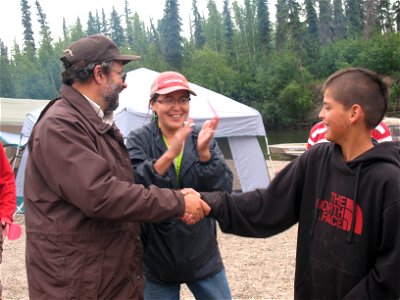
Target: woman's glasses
{"x": 170, "y": 101}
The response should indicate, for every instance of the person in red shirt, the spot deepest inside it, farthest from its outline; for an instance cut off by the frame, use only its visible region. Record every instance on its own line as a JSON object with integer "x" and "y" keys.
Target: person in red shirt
{"x": 380, "y": 133}
{"x": 7, "y": 199}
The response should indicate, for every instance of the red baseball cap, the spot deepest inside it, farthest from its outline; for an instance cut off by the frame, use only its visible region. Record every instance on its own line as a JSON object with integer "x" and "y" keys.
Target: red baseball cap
{"x": 168, "y": 82}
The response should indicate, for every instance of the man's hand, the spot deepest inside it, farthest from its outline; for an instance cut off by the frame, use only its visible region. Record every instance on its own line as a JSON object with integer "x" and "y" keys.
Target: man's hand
{"x": 195, "y": 209}
{"x": 186, "y": 191}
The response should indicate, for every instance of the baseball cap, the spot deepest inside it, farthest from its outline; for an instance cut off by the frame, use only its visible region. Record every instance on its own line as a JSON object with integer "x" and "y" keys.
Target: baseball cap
{"x": 94, "y": 48}
{"x": 168, "y": 82}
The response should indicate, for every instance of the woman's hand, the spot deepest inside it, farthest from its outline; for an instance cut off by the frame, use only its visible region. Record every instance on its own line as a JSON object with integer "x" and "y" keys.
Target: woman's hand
{"x": 206, "y": 134}
{"x": 176, "y": 146}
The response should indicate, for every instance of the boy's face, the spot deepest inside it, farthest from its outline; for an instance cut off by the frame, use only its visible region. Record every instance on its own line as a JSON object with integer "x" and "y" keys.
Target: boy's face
{"x": 335, "y": 118}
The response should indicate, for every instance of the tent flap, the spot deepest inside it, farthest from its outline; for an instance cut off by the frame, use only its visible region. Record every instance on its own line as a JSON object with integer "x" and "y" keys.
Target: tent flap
{"x": 250, "y": 162}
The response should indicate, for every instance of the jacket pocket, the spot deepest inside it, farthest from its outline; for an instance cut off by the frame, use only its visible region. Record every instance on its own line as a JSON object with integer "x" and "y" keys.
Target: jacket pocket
{"x": 46, "y": 266}
{"x": 83, "y": 273}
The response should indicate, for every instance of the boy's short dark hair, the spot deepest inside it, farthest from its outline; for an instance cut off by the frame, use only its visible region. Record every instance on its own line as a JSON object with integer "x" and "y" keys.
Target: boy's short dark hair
{"x": 360, "y": 86}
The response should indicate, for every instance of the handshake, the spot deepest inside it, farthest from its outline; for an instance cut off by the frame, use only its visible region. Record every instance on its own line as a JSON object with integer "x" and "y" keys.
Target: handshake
{"x": 195, "y": 208}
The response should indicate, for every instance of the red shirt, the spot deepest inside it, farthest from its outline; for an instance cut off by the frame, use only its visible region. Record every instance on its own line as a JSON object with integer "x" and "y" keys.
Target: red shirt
{"x": 381, "y": 133}
{"x": 7, "y": 187}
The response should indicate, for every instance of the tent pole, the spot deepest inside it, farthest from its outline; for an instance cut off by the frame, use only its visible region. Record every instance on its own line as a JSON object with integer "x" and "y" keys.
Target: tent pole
{"x": 269, "y": 156}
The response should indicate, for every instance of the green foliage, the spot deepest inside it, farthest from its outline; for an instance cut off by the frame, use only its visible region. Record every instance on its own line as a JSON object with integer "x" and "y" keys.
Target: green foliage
{"x": 394, "y": 100}
{"x": 297, "y": 101}
{"x": 7, "y": 88}
{"x": 211, "y": 69}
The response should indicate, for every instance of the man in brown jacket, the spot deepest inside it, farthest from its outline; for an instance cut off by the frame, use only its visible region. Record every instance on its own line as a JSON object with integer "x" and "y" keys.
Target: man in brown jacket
{"x": 81, "y": 208}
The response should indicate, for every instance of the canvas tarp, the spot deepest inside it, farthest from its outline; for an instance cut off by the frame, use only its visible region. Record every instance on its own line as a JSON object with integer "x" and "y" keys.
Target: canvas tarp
{"x": 13, "y": 111}
{"x": 240, "y": 124}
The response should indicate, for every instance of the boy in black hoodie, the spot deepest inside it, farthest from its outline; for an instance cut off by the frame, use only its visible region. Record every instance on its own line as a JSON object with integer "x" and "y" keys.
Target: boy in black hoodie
{"x": 345, "y": 196}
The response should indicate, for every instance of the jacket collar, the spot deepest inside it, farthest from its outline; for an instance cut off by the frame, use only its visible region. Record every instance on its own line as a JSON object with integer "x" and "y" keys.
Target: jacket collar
{"x": 80, "y": 103}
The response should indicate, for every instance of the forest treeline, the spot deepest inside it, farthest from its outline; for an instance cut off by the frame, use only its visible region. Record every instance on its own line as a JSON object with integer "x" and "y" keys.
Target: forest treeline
{"x": 276, "y": 67}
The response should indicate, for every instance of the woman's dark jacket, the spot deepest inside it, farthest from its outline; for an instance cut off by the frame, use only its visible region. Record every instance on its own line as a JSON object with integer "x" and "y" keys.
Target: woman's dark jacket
{"x": 173, "y": 251}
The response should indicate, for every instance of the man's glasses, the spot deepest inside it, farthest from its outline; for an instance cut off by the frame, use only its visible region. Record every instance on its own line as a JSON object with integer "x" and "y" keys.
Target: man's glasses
{"x": 170, "y": 101}
{"x": 122, "y": 74}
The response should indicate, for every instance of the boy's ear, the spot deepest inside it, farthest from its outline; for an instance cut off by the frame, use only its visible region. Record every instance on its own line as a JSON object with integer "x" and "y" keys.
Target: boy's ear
{"x": 356, "y": 113}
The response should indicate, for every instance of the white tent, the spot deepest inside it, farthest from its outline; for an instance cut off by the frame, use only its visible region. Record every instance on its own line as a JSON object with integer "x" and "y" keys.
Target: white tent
{"x": 240, "y": 124}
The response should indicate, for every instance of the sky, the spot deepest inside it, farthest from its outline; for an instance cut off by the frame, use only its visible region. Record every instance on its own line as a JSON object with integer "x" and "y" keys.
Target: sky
{"x": 11, "y": 21}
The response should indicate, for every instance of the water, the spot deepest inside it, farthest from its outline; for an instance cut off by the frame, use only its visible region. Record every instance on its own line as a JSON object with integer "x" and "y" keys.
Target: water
{"x": 288, "y": 136}
{"x": 274, "y": 137}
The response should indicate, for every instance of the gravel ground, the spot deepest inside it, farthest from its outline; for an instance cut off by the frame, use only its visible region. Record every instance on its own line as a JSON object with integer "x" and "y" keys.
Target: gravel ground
{"x": 256, "y": 268}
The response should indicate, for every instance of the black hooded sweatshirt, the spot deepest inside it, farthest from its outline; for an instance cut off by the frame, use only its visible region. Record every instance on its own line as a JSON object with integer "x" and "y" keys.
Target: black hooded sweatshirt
{"x": 348, "y": 216}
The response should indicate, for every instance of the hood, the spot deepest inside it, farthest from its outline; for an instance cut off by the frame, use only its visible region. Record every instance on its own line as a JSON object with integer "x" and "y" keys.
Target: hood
{"x": 381, "y": 152}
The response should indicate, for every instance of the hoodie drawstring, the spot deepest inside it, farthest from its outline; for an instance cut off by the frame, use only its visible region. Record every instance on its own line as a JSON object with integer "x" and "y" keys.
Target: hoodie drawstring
{"x": 349, "y": 237}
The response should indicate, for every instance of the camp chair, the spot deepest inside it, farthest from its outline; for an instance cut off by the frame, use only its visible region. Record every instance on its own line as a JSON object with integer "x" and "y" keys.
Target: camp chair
{"x": 18, "y": 143}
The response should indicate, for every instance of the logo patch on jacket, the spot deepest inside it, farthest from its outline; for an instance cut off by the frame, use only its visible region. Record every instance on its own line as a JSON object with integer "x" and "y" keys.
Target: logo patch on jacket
{"x": 338, "y": 212}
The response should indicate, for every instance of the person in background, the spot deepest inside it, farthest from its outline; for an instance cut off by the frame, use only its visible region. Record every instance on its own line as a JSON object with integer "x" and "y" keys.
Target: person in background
{"x": 170, "y": 153}
{"x": 344, "y": 195}
{"x": 380, "y": 133}
{"x": 8, "y": 200}
{"x": 82, "y": 206}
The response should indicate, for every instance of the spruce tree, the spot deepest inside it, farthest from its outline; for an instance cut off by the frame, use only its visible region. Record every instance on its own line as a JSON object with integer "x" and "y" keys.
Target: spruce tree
{"x": 98, "y": 23}
{"x": 229, "y": 44}
{"x": 77, "y": 30}
{"x": 339, "y": 21}
{"x": 294, "y": 25}
{"x": 170, "y": 34}
{"x": 46, "y": 57}
{"x": 29, "y": 41}
{"x": 325, "y": 22}
{"x": 213, "y": 27}
{"x": 385, "y": 17}
{"x": 65, "y": 30}
{"x": 129, "y": 28}
{"x": 104, "y": 23}
{"x": 354, "y": 15}
{"x": 91, "y": 25}
{"x": 116, "y": 30}
{"x": 199, "y": 39}
{"x": 396, "y": 11}
{"x": 263, "y": 26}
{"x": 251, "y": 26}
{"x": 281, "y": 33}
{"x": 312, "y": 32}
